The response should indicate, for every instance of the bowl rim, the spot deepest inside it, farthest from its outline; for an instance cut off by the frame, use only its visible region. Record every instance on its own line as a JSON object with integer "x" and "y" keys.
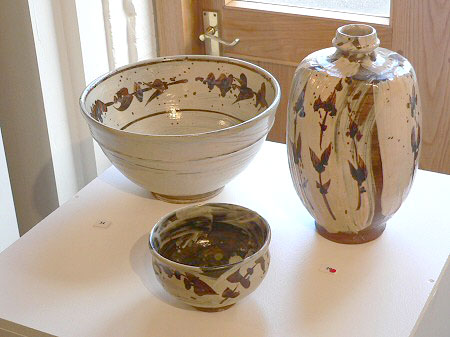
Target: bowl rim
{"x": 263, "y": 248}
{"x": 163, "y": 59}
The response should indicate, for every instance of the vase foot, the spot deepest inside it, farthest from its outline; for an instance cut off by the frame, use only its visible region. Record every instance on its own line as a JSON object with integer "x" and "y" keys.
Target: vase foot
{"x": 214, "y": 309}
{"x": 187, "y": 199}
{"x": 366, "y": 235}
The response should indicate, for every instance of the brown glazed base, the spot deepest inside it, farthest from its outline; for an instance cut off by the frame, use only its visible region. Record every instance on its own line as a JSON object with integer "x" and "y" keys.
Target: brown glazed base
{"x": 187, "y": 199}
{"x": 366, "y": 235}
{"x": 214, "y": 309}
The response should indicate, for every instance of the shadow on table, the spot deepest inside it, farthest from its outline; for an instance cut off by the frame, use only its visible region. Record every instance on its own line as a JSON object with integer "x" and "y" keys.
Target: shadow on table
{"x": 141, "y": 262}
{"x": 119, "y": 181}
{"x": 144, "y": 319}
{"x": 243, "y": 319}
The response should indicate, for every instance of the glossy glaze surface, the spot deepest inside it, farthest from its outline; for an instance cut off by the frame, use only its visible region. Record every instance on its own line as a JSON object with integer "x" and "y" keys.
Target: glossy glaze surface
{"x": 354, "y": 126}
{"x": 211, "y": 256}
{"x": 182, "y": 127}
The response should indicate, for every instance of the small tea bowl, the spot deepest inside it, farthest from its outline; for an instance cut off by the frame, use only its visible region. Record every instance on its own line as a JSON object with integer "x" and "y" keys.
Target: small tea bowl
{"x": 183, "y": 126}
{"x": 211, "y": 256}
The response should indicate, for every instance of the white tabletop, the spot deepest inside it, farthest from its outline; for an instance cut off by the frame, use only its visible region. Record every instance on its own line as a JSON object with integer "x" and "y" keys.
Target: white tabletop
{"x": 69, "y": 276}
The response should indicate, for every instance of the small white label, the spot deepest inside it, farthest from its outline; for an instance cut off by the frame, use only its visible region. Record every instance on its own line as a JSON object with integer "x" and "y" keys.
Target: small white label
{"x": 102, "y": 224}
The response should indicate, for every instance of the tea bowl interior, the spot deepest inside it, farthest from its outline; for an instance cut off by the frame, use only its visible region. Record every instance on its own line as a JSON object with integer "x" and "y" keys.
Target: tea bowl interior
{"x": 216, "y": 247}
{"x": 210, "y": 235}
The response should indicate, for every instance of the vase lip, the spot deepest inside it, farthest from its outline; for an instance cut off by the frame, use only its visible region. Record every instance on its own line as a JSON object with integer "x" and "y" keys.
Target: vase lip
{"x": 356, "y": 38}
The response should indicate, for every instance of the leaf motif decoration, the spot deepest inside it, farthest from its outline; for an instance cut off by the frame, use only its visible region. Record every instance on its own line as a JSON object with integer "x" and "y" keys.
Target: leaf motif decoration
{"x": 324, "y": 187}
{"x": 153, "y": 96}
{"x": 329, "y": 105}
{"x": 262, "y": 263}
{"x": 353, "y": 171}
{"x": 316, "y": 162}
{"x": 159, "y": 87}
{"x": 415, "y": 142}
{"x": 242, "y": 80}
{"x": 124, "y": 98}
{"x": 138, "y": 92}
{"x": 97, "y": 110}
{"x": 326, "y": 155}
{"x": 261, "y": 97}
{"x": 299, "y": 105}
{"x": 297, "y": 149}
{"x": 413, "y": 101}
{"x": 224, "y": 83}
{"x": 187, "y": 284}
{"x": 210, "y": 80}
{"x": 319, "y": 164}
{"x": 359, "y": 174}
{"x": 122, "y": 92}
{"x": 228, "y": 293}
{"x": 353, "y": 130}
{"x": 236, "y": 277}
{"x": 244, "y": 93}
{"x": 201, "y": 288}
{"x": 362, "y": 167}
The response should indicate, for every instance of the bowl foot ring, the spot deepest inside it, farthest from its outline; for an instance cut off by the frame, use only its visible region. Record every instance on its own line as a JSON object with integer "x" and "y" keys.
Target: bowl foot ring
{"x": 366, "y": 235}
{"x": 187, "y": 199}
{"x": 214, "y": 309}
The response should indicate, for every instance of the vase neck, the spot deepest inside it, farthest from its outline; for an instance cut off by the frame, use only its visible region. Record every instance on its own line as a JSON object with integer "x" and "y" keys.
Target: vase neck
{"x": 356, "y": 39}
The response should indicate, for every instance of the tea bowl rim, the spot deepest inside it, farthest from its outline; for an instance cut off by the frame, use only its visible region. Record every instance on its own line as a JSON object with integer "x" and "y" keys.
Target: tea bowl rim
{"x": 165, "y": 59}
{"x": 260, "y": 251}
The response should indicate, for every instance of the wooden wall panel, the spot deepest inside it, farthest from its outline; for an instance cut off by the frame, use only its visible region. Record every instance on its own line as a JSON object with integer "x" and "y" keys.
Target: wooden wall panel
{"x": 283, "y": 38}
{"x": 421, "y": 32}
{"x": 178, "y": 25}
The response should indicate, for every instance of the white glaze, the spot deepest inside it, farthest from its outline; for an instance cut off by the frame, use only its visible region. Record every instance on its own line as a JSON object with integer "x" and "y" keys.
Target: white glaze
{"x": 181, "y": 151}
{"x": 385, "y": 81}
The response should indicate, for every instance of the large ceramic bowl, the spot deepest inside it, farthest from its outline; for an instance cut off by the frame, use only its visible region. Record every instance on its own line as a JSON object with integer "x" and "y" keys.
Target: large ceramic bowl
{"x": 182, "y": 127}
{"x": 211, "y": 256}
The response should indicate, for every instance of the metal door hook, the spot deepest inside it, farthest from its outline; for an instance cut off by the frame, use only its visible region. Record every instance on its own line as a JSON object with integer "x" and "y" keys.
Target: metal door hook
{"x": 209, "y": 34}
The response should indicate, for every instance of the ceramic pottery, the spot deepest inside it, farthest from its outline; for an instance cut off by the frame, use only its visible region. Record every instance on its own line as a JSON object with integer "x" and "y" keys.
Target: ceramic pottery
{"x": 182, "y": 127}
{"x": 211, "y": 256}
{"x": 354, "y": 131}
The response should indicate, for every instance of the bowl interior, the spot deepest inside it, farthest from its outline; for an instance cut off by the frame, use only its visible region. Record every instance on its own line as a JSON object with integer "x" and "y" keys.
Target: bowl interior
{"x": 210, "y": 235}
{"x": 181, "y": 95}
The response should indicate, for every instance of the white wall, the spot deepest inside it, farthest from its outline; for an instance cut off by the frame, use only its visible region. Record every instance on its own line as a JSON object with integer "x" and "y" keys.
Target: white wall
{"x": 22, "y": 118}
{"x": 49, "y": 51}
{"x": 9, "y": 231}
{"x": 92, "y": 37}
{"x": 61, "y": 73}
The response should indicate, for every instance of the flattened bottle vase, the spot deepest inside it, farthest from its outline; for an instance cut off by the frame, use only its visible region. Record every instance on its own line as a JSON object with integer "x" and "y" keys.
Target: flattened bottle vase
{"x": 353, "y": 134}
